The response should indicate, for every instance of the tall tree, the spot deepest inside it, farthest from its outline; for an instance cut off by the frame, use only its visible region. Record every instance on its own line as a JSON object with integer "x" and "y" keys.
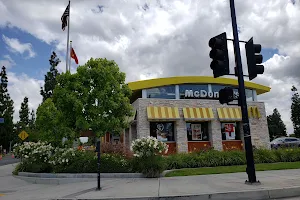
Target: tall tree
{"x": 6, "y": 111}
{"x": 51, "y": 125}
{"x": 24, "y": 114}
{"x": 50, "y": 78}
{"x": 96, "y": 97}
{"x": 276, "y": 126}
{"x": 32, "y": 120}
{"x": 295, "y": 111}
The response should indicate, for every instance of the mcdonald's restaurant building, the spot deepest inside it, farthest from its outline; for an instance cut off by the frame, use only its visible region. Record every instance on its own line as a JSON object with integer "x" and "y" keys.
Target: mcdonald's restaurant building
{"x": 185, "y": 113}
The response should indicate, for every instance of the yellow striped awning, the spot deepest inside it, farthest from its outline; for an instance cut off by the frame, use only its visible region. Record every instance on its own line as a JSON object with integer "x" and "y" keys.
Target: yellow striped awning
{"x": 253, "y": 112}
{"x": 235, "y": 114}
{"x": 198, "y": 114}
{"x": 229, "y": 114}
{"x": 162, "y": 113}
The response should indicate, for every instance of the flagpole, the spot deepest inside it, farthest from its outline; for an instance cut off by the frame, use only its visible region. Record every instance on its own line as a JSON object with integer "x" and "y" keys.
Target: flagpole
{"x": 67, "y": 56}
{"x": 70, "y": 56}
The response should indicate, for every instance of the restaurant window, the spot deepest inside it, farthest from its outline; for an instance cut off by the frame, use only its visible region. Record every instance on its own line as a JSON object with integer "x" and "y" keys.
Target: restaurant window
{"x": 197, "y": 131}
{"x": 163, "y": 131}
{"x": 165, "y": 92}
{"x": 230, "y": 131}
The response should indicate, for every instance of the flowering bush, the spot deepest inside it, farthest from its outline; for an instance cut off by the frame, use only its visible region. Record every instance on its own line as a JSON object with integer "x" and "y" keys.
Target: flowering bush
{"x": 42, "y": 157}
{"x": 148, "y": 156}
{"x": 35, "y": 152}
{"x": 63, "y": 156}
{"x": 148, "y": 146}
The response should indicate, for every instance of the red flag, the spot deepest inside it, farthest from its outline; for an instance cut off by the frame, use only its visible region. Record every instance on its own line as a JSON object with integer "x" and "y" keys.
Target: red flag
{"x": 73, "y": 55}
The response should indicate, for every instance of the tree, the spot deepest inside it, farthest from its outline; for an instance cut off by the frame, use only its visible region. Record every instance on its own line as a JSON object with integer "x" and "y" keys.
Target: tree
{"x": 50, "y": 78}
{"x": 50, "y": 123}
{"x": 6, "y": 112}
{"x": 295, "y": 111}
{"x": 276, "y": 126}
{"x": 32, "y": 120}
{"x": 24, "y": 114}
{"x": 96, "y": 97}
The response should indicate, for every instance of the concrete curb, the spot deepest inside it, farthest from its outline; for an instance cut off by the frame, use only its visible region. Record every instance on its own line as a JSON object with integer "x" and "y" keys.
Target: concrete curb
{"x": 63, "y": 178}
{"x": 240, "y": 195}
{"x": 81, "y": 175}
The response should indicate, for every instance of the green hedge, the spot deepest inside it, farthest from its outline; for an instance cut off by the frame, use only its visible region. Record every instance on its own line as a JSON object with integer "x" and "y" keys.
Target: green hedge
{"x": 215, "y": 158}
{"x": 86, "y": 162}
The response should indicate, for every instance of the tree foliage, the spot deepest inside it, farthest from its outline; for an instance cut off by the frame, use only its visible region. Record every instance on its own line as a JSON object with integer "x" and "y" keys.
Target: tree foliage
{"x": 295, "y": 111}
{"x": 50, "y": 77}
{"x": 96, "y": 97}
{"x": 24, "y": 114}
{"x": 32, "y": 120}
{"x": 276, "y": 126}
{"x": 6, "y": 111}
{"x": 50, "y": 124}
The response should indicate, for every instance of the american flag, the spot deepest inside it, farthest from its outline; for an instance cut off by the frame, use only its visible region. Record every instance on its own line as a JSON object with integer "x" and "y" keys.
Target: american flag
{"x": 64, "y": 17}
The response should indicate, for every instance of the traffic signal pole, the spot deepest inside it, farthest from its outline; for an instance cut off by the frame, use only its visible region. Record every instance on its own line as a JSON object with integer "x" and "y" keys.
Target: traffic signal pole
{"x": 246, "y": 128}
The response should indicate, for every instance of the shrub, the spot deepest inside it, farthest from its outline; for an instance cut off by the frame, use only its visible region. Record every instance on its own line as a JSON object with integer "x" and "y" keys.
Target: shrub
{"x": 151, "y": 166}
{"x": 148, "y": 146}
{"x": 113, "y": 163}
{"x": 119, "y": 149}
{"x": 42, "y": 157}
{"x": 148, "y": 156}
{"x": 81, "y": 162}
{"x": 34, "y": 167}
{"x": 264, "y": 156}
{"x": 287, "y": 155}
{"x": 32, "y": 152}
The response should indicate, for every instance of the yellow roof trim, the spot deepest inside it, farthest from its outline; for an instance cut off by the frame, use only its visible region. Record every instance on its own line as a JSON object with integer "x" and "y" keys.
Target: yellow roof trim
{"x": 151, "y": 83}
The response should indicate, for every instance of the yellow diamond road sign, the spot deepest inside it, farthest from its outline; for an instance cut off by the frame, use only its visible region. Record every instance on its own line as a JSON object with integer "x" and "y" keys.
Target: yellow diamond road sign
{"x": 23, "y": 135}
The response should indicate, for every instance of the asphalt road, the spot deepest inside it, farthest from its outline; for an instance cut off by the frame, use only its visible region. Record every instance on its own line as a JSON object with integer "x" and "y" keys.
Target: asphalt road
{"x": 8, "y": 160}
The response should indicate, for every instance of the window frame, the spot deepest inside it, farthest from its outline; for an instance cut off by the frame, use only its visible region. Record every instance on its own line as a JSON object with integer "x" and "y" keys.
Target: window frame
{"x": 237, "y": 131}
{"x": 205, "y": 125}
{"x": 163, "y": 122}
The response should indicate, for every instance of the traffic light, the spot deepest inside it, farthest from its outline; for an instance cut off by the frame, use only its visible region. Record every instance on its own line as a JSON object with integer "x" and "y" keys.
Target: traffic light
{"x": 254, "y": 58}
{"x": 226, "y": 95}
{"x": 219, "y": 55}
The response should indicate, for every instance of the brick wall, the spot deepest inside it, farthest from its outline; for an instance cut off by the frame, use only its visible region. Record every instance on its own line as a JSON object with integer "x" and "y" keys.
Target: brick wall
{"x": 258, "y": 127}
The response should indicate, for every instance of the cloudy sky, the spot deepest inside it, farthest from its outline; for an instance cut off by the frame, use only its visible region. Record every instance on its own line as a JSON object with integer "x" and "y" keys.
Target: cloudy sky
{"x": 148, "y": 39}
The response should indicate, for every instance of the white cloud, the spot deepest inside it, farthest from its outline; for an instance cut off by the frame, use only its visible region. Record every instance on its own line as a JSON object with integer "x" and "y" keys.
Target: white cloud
{"x": 21, "y": 86}
{"x": 7, "y": 61}
{"x": 14, "y": 45}
{"x": 169, "y": 38}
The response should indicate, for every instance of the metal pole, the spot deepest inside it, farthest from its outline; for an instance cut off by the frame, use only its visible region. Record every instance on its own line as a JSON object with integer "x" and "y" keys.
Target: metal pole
{"x": 70, "y": 56}
{"x": 67, "y": 56}
{"x": 247, "y": 136}
{"x": 98, "y": 177}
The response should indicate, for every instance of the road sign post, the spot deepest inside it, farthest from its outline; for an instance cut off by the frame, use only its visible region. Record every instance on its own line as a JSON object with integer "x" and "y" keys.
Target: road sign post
{"x": 245, "y": 119}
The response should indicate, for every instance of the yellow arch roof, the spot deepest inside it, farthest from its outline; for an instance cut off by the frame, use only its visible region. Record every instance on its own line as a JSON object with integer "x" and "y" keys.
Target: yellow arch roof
{"x": 144, "y": 84}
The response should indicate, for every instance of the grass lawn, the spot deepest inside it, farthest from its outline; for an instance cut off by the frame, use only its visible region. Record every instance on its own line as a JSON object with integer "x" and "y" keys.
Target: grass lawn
{"x": 233, "y": 169}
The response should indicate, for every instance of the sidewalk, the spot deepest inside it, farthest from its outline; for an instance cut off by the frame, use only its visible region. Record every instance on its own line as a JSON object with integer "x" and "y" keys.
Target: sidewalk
{"x": 274, "y": 184}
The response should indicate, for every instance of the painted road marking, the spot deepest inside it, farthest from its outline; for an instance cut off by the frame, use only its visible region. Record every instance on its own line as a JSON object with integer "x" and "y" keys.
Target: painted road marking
{"x": 1, "y": 195}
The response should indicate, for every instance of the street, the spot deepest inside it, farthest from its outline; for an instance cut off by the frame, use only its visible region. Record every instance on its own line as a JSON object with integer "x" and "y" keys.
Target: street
{"x": 8, "y": 160}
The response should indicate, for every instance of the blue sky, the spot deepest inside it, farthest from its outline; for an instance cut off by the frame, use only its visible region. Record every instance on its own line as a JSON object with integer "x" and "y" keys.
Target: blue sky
{"x": 38, "y": 65}
{"x": 34, "y": 67}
